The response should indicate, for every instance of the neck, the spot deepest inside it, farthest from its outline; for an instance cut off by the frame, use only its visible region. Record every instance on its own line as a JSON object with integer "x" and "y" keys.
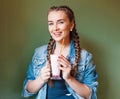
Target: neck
{"x": 60, "y": 43}
{"x": 65, "y": 49}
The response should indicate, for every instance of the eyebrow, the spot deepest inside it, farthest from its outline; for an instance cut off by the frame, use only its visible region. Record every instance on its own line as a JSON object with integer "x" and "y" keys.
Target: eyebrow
{"x": 57, "y": 20}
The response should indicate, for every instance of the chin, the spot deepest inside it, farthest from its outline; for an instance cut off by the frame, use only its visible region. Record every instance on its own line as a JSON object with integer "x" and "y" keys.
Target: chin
{"x": 58, "y": 40}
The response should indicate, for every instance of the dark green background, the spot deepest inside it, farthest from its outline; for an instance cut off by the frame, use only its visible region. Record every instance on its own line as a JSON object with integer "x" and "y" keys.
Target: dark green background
{"x": 23, "y": 27}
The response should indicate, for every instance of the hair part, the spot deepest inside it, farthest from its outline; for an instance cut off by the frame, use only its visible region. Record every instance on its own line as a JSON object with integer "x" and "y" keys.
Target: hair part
{"x": 64, "y": 8}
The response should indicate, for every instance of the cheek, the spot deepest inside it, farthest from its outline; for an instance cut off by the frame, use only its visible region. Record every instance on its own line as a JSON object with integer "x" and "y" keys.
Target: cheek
{"x": 49, "y": 29}
{"x": 66, "y": 27}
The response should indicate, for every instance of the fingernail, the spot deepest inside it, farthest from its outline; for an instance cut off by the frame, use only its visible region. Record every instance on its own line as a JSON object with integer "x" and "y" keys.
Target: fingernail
{"x": 59, "y": 56}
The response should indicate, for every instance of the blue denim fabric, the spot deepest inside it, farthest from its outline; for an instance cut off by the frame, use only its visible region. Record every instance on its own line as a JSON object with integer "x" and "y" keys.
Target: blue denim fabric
{"x": 86, "y": 72}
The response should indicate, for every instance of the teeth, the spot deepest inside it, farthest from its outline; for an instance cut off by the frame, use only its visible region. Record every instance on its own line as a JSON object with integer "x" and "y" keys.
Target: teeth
{"x": 57, "y": 33}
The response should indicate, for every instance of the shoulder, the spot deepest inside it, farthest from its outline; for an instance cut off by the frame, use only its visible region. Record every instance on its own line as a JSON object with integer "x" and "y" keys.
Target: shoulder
{"x": 85, "y": 53}
{"x": 42, "y": 50}
{"x": 85, "y": 56}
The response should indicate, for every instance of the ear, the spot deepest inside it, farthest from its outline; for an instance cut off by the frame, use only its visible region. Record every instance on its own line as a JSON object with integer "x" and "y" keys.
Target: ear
{"x": 72, "y": 26}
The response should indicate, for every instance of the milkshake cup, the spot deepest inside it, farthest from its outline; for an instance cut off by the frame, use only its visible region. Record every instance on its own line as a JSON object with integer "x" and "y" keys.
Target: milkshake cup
{"x": 54, "y": 64}
{"x": 54, "y": 67}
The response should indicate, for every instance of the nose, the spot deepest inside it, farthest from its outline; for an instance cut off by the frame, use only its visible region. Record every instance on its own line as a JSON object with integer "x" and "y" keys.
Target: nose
{"x": 55, "y": 27}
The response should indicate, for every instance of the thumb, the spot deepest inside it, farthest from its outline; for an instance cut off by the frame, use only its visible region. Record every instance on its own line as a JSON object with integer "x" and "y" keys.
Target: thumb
{"x": 47, "y": 64}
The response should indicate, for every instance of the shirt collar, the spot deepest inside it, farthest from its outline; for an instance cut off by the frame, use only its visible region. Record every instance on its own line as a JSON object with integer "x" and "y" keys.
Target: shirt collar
{"x": 72, "y": 50}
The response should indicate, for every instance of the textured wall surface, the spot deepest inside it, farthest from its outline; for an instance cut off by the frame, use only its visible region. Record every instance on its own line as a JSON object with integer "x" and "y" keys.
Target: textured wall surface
{"x": 23, "y": 27}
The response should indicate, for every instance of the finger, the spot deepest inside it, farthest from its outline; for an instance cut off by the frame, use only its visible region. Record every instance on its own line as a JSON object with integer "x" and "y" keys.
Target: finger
{"x": 64, "y": 60}
{"x": 46, "y": 78}
{"x": 47, "y": 64}
{"x": 64, "y": 64}
{"x": 46, "y": 75}
{"x": 61, "y": 68}
{"x": 45, "y": 70}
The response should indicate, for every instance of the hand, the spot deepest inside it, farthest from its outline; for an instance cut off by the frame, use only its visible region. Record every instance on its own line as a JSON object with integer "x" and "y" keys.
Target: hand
{"x": 65, "y": 66}
{"x": 45, "y": 72}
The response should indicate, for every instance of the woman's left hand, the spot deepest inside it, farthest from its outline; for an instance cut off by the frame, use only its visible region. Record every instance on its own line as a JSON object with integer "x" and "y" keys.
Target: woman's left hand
{"x": 65, "y": 66}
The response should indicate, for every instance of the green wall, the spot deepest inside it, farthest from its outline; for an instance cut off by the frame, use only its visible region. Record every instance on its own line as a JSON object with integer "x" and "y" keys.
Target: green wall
{"x": 23, "y": 27}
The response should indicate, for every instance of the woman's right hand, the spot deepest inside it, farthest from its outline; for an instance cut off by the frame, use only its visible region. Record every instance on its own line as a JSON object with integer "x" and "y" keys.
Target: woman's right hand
{"x": 34, "y": 86}
{"x": 45, "y": 72}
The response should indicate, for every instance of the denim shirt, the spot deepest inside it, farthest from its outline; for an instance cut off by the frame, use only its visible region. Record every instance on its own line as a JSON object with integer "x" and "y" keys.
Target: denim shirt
{"x": 86, "y": 72}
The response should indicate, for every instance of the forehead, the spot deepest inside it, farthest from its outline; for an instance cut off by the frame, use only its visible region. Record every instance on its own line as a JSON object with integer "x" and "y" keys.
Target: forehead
{"x": 56, "y": 15}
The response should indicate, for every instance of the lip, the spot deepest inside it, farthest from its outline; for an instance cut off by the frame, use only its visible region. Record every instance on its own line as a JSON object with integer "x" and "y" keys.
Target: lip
{"x": 57, "y": 34}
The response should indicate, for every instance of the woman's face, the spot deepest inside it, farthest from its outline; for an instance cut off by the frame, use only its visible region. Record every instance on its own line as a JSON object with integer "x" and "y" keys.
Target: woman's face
{"x": 59, "y": 25}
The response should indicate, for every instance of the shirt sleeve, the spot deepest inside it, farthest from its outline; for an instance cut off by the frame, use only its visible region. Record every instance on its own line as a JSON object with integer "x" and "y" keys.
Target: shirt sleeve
{"x": 90, "y": 76}
{"x": 38, "y": 60}
{"x": 30, "y": 76}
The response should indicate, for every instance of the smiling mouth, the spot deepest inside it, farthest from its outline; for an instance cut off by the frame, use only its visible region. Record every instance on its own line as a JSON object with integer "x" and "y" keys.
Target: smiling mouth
{"x": 58, "y": 34}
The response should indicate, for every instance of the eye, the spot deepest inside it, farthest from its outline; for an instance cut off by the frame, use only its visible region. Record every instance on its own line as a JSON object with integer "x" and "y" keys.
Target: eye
{"x": 61, "y": 22}
{"x": 50, "y": 23}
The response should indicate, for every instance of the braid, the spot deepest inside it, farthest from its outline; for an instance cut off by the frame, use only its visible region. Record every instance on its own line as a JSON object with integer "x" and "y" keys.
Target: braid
{"x": 50, "y": 48}
{"x": 75, "y": 38}
{"x": 49, "y": 52}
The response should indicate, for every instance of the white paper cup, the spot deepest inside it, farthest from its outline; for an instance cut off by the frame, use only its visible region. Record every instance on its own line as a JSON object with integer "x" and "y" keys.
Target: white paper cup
{"x": 54, "y": 67}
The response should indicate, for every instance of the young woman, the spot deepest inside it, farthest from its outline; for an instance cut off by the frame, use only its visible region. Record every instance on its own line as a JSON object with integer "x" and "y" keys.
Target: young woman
{"x": 79, "y": 78}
